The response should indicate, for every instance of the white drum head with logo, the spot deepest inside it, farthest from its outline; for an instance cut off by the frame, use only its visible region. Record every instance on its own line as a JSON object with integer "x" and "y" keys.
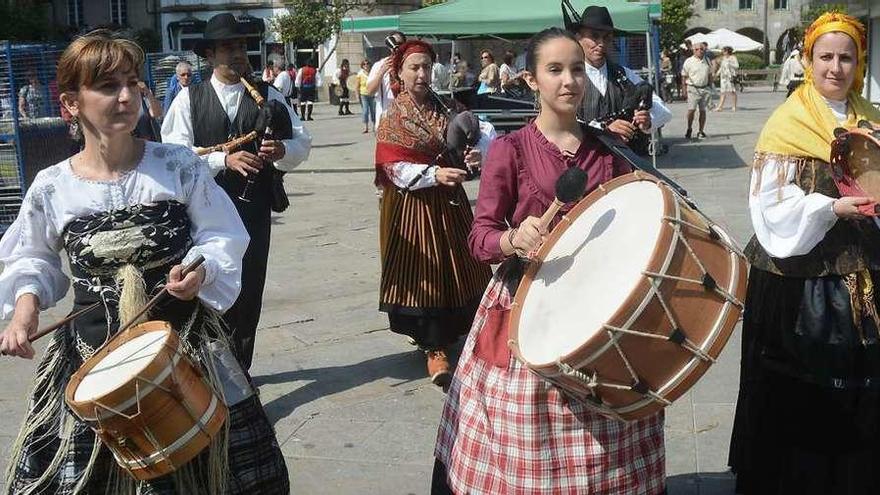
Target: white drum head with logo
{"x": 590, "y": 272}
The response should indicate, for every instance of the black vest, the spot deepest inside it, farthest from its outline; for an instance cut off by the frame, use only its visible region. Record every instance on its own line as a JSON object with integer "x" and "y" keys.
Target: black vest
{"x": 211, "y": 126}
{"x": 596, "y": 105}
{"x": 850, "y": 246}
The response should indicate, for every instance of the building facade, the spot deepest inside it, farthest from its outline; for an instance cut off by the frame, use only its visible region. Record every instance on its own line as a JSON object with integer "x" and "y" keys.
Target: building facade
{"x": 780, "y": 19}
{"x": 81, "y": 15}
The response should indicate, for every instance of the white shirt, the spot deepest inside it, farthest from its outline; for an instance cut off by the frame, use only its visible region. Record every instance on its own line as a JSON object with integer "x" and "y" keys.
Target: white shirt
{"x": 177, "y": 126}
{"x": 30, "y": 249}
{"x": 660, "y": 113}
{"x": 384, "y": 96}
{"x": 788, "y": 221}
{"x": 283, "y": 83}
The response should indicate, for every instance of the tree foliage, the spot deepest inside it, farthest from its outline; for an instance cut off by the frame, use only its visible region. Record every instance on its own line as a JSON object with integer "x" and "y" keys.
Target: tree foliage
{"x": 673, "y": 22}
{"x": 311, "y": 22}
{"x": 25, "y": 22}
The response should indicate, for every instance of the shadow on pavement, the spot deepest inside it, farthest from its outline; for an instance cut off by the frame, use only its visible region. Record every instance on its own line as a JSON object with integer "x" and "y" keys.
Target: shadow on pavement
{"x": 407, "y": 366}
{"x": 701, "y": 484}
{"x": 333, "y": 145}
{"x": 719, "y": 156}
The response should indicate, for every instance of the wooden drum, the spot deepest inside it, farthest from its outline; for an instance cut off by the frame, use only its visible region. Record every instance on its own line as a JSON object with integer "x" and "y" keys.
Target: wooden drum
{"x": 146, "y": 401}
{"x": 630, "y": 299}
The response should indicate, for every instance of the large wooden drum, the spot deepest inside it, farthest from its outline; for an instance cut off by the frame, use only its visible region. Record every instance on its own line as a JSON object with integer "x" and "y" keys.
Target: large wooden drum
{"x": 630, "y": 299}
{"x": 146, "y": 401}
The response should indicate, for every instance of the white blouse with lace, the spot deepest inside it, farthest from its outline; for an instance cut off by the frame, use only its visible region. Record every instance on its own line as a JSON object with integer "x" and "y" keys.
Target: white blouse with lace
{"x": 30, "y": 249}
{"x": 788, "y": 221}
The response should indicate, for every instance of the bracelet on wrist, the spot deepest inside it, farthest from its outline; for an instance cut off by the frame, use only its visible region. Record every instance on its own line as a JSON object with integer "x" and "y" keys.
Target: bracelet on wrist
{"x": 510, "y": 235}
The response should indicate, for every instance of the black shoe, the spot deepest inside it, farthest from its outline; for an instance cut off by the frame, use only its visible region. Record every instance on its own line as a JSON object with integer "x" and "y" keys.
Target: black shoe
{"x": 688, "y": 133}
{"x": 701, "y": 135}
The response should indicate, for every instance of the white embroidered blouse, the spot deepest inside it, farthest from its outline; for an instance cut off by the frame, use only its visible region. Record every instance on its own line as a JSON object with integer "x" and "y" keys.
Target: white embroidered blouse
{"x": 30, "y": 248}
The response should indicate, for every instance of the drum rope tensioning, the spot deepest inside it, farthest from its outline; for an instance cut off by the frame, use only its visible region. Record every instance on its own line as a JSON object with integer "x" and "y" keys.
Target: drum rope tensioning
{"x": 661, "y": 290}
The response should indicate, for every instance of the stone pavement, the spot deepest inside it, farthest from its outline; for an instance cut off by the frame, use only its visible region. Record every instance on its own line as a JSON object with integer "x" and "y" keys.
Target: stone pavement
{"x": 350, "y": 401}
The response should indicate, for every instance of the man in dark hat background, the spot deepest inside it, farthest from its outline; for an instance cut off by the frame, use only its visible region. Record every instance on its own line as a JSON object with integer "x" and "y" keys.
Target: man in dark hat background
{"x": 215, "y": 111}
{"x": 608, "y": 83}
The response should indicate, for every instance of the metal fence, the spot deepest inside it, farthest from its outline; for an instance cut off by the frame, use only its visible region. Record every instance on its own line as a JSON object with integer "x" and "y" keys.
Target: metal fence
{"x": 33, "y": 135}
{"x": 160, "y": 68}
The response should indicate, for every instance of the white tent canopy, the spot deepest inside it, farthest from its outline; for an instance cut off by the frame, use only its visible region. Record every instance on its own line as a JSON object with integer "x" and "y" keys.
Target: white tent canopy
{"x": 720, "y": 38}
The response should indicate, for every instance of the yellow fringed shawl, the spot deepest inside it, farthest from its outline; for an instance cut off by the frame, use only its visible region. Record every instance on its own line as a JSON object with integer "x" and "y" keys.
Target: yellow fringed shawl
{"x": 804, "y": 125}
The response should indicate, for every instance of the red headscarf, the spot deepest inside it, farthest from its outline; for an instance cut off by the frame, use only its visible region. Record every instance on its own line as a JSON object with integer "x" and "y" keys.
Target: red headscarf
{"x": 399, "y": 56}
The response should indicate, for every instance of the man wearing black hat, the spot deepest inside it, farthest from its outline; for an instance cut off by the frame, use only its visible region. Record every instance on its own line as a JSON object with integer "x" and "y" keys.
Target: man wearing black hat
{"x": 216, "y": 111}
{"x": 608, "y": 83}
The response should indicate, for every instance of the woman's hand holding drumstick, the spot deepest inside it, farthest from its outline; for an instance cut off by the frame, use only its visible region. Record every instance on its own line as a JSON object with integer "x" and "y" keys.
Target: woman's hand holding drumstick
{"x": 529, "y": 235}
{"x": 185, "y": 288}
{"x": 15, "y": 339}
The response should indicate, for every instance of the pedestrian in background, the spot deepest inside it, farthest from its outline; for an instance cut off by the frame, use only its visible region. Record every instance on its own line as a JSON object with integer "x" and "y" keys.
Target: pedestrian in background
{"x": 368, "y": 103}
{"x": 183, "y": 77}
{"x": 696, "y": 73}
{"x": 490, "y": 82}
{"x": 506, "y": 72}
{"x": 340, "y": 79}
{"x": 727, "y": 69}
{"x": 792, "y": 72}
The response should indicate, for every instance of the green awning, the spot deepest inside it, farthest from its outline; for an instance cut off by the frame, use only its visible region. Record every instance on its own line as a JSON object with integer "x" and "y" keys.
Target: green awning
{"x": 368, "y": 24}
{"x": 511, "y": 18}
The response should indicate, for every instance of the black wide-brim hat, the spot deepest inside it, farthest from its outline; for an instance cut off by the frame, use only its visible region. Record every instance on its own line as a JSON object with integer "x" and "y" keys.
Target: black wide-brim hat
{"x": 595, "y": 17}
{"x": 219, "y": 27}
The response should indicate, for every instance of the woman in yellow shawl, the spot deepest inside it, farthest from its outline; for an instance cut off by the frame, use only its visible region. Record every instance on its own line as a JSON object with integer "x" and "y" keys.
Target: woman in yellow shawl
{"x": 808, "y": 414}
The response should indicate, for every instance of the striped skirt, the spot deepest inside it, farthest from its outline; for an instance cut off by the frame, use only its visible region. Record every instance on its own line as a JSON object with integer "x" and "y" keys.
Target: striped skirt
{"x": 427, "y": 271}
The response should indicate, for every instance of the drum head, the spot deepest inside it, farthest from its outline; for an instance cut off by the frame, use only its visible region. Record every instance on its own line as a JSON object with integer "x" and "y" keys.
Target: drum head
{"x": 120, "y": 365}
{"x": 590, "y": 271}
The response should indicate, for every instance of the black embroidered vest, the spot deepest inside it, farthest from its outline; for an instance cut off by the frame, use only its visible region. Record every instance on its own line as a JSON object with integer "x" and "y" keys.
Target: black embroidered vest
{"x": 850, "y": 246}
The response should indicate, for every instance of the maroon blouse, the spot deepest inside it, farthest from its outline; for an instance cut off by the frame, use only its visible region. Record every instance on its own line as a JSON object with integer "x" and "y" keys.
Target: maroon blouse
{"x": 518, "y": 180}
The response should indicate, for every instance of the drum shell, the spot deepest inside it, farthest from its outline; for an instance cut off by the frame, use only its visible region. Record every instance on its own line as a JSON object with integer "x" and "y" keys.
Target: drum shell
{"x": 159, "y": 415}
{"x": 706, "y": 319}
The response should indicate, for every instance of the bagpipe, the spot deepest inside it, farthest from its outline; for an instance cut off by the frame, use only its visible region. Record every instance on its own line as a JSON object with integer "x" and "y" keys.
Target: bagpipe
{"x": 272, "y": 122}
{"x": 637, "y": 97}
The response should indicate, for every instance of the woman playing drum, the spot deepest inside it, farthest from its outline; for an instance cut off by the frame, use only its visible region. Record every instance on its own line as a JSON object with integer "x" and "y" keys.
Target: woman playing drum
{"x": 808, "y": 414}
{"x": 430, "y": 284}
{"x": 504, "y": 429}
{"x": 128, "y": 213}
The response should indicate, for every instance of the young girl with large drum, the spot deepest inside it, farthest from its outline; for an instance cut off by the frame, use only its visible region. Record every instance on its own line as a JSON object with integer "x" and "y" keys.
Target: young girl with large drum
{"x": 130, "y": 214}
{"x": 504, "y": 429}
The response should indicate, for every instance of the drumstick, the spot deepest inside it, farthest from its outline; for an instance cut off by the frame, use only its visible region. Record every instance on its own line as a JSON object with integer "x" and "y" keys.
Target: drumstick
{"x": 55, "y": 326}
{"x": 570, "y": 187}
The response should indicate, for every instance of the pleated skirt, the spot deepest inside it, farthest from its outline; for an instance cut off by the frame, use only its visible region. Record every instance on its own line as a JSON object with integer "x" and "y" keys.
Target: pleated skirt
{"x": 430, "y": 283}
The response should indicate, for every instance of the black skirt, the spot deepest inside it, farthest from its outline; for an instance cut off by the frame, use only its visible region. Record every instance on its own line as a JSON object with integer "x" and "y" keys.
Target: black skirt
{"x": 808, "y": 413}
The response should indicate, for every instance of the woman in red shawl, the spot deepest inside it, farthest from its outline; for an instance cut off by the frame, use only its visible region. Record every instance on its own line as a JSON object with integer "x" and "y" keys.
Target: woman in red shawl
{"x": 430, "y": 285}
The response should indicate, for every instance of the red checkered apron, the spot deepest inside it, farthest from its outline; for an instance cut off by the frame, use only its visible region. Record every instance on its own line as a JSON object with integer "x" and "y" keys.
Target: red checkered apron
{"x": 505, "y": 430}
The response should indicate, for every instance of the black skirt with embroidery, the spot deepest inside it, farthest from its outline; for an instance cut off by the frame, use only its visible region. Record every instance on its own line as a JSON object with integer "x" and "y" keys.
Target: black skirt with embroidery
{"x": 808, "y": 413}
